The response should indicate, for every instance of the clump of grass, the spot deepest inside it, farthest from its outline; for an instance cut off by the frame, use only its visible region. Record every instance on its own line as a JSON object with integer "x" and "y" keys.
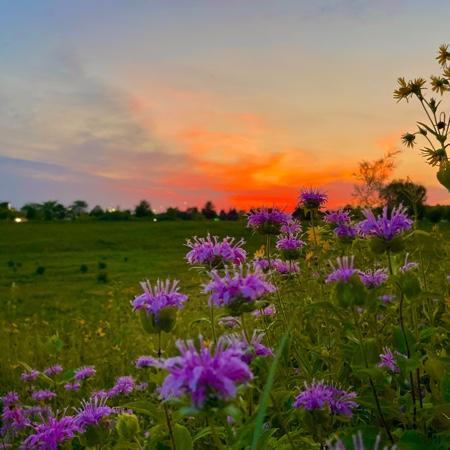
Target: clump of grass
{"x": 83, "y": 268}
{"x": 102, "y": 265}
{"x": 102, "y": 277}
{"x": 40, "y": 270}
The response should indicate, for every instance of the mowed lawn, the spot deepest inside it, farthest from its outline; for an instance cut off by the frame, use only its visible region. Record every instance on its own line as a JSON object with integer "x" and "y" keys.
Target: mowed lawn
{"x": 65, "y": 289}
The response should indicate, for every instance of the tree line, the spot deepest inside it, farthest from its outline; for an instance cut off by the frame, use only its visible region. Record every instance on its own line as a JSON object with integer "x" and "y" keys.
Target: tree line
{"x": 373, "y": 193}
{"x": 79, "y": 210}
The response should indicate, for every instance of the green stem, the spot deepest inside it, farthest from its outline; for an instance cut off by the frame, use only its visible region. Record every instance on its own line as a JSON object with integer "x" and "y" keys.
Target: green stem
{"x": 372, "y": 385}
{"x": 311, "y": 217}
{"x": 169, "y": 426}
{"x": 389, "y": 262}
{"x": 213, "y": 326}
{"x": 215, "y": 435}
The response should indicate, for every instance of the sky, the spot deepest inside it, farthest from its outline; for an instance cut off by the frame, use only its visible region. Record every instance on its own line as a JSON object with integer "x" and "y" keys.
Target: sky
{"x": 242, "y": 102}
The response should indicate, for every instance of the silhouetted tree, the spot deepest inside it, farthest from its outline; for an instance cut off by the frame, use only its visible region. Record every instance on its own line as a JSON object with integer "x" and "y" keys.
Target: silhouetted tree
{"x": 406, "y": 192}
{"x": 209, "y": 211}
{"x": 372, "y": 176}
{"x": 53, "y": 210}
{"x": 97, "y": 211}
{"x": 32, "y": 211}
{"x": 143, "y": 209}
{"x": 232, "y": 214}
{"x": 78, "y": 208}
{"x": 6, "y": 211}
{"x": 223, "y": 215}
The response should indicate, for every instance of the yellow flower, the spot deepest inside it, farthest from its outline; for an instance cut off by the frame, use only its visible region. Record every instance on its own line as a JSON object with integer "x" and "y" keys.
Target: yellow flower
{"x": 260, "y": 252}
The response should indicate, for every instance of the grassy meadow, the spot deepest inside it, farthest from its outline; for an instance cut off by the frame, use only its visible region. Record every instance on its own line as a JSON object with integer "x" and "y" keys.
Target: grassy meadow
{"x": 71, "y": 313}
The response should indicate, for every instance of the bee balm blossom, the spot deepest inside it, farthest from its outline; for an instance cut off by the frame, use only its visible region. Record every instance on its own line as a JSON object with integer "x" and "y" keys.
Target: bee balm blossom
{"x": 251, "y": 349}
{"x": 312, "y": 198}
{"x": 385, "y": 226}
{"x": 285, "y": 267}
{"x": 344, "y": 270}
{"x": 289, "y": 243}
{"x": 162, "y": 295}
{"x": 53, "y": 370}
{"x": 92, "y": 413}
{"x": 358, "y": 444}
{"x": 30, "y": 375}
{"x": 319, "y": 395}
{"x": 213, "y": 252}
{"x": 237, "y": 288}
{"x": 374, "y": 278}
{"x": 43, "y": 395}
{"x": 84, "y": 372}
{"x": 387, "y": 360}
{"x": 207, "y": 377}
{"x": 268, "y": 220}
{"x": 51, "y": 434}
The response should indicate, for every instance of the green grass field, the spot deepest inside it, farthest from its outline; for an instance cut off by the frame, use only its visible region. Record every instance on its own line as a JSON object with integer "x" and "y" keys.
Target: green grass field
{"x": 71, "y": 317}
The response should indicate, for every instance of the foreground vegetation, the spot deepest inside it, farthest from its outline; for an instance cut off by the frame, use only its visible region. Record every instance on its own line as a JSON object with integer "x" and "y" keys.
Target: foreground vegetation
{"x": 66, "y": 290}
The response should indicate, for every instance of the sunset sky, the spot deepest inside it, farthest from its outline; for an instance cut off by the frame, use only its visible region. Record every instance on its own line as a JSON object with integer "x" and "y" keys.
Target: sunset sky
{"x": 179, "y": 101}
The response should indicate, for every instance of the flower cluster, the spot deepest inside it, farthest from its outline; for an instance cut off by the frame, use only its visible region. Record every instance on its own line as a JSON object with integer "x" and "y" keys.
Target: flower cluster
{"x": 343, "y": 227}
{"x": 374, "y": 278}
{"x": 387, "y": 360}
{"x": 250, "y": 348}
{"x": 156, "y": 298}
{"x": 385, "y": 226}
{"x": 207, "y": 377}
{"x": 344, "y": 270}
{"x": 285, "y": 267}
{"x": 312, "y": 198}
{"x": 268, "y": 220}
{"x": 319, "y": 395}
{"x": 213, "y": 252}
{"x": 237, "y": 287}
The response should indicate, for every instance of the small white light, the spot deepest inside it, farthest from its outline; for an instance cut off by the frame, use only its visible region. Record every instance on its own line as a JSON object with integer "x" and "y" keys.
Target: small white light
{"x": 155, "y": 219}
{"x": 18, "y": 219}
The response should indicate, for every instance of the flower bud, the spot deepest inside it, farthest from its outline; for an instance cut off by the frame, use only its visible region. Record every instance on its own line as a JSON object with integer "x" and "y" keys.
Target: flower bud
{"x": 127, "y": 426}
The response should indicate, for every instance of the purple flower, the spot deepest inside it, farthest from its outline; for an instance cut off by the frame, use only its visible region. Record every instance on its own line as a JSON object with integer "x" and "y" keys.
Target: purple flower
{"x": 30, "y": 375}
{"x": 145, "y": 361}
{"x": 162, "y": 295}
{"x": 267, "y": 311}
{"x": 237, "y": 286}
{"x": 205, "y": 376}
{"x": 318, "y": 395}
{"x": 340, "y": 217}
{"x": 384, "y": 226}
{"x": 312, "y": 198}
{"x": 386, "y": 298}
{"x": 408, "y": 265}
{"x": 53, "y": 370}
{"x": 91, "y": 413}
{"x": 268, "y": 220}
{"x": 10, "y": 398}
{"x": 345, "y": 231}
{"x": 42, "y": 395}
{"x": 49, "y": 435}
{"x": 72, "y": 386}
{"x": 84, "y": 372}
{"x": 214, "y": 252}
{"x": 292, "y": 227}
{"x": 13, "y": 419}
{"x": 374, "y": 278}
{"x": 124, "y": 386}
{"x": 289, "y": 243}
{"x": 251, "y": 349}
{"x": 100, "y": 394}
{"x": 285, "y": 267}
{"x": 261, "y": 264}
{"x": 387, "y": 360}
{"x": 229, "y": 322}
{"x": 344, "y": 270}
{"x": 448, "y": 277}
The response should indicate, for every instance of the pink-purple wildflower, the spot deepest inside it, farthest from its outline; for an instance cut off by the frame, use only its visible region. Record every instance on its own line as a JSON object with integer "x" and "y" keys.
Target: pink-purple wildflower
{"x": 124, "y": 386}
{"x": 162, "y": 295}
{"x": 339, "y": 217}
{"x": 51, "y": 434}
{"x": 145, "y": 361}
{"x": 30, "y": 375}
{"x": 53, "y": 370}
{"x": 318, "y": 395}
{"x": 343, "y": 271}
{"x": 386, "y": 226}
{"x": 42, "y": 395}
{"x": 213, "y": 252}
{"x": 250, "y": 349}
{"x": 312, "y": 198}
{"x": 237, "y": 286}
{"x": 408, "y": 265}
{"x": 285, "y": 267}
{"x": 289, "y": 243}
{"x": 268, "y": 220}
{"x": 85, "y": 372}
{"x": 374, "y": 278}
{"x": 208, "y": 377}
{"x": 91, "y": 413}
{"x": 267, "y": 311}
{"x": 387, "y": 360}
{"x": 72, "y": 386}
